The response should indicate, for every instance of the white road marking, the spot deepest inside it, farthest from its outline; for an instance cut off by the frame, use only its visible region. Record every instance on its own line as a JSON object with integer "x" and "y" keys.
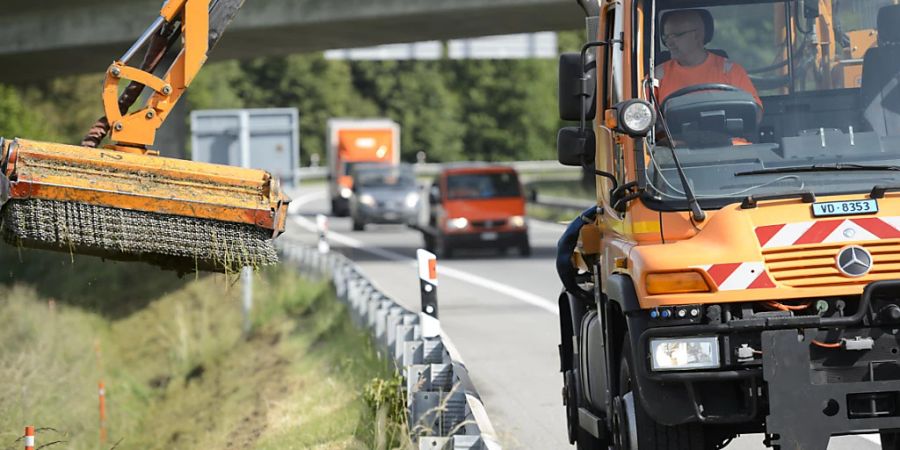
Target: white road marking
{"x": 874, "y": 438}
{"x": 516, "y": 293}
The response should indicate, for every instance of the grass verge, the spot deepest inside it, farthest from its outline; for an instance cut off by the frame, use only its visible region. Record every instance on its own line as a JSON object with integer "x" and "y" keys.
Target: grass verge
{"x": 179, "y": 373}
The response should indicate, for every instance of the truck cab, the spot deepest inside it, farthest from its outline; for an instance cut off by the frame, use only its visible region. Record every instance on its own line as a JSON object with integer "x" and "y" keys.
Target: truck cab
{"x": 476, "y": 206}
{"x": 357, "y": 141}
{"x": 740, "y": 271}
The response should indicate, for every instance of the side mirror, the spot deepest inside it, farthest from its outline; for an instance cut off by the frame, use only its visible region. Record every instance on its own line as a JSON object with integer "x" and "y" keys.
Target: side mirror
{"x": 633, "y": 117}
{"x": 532, "y": 195}
{"x": 573, "y": 90}
{"x": 575, "y": 147}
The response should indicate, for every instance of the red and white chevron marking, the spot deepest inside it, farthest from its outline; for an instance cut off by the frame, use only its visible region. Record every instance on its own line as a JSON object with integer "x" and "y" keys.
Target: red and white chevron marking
{"x": 828, "y": 231}
{"x": 739, "y": 276}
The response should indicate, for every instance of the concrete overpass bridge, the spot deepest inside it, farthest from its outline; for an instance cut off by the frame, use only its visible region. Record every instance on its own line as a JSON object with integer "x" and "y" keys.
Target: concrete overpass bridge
{"x": 46, "y": 38}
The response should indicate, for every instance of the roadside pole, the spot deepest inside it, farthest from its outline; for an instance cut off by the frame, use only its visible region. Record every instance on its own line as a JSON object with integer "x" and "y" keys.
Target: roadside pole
{"x": 29, "y": 438}
{"x": 322, "y": 230}
{"x": 246, "y": 271}
{"x": 431, "y": 326}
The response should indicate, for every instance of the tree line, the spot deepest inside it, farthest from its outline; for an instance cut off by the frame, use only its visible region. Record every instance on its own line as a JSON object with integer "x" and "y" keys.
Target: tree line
{"x": 453, "y": 110}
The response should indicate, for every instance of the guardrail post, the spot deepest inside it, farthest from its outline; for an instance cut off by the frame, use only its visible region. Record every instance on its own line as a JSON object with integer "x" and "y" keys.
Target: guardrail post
{"x": 431, "y": 326}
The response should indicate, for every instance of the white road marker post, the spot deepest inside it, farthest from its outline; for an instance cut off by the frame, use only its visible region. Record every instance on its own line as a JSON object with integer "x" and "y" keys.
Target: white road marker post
{"x": 428, "y": 317}
{"x": 322, "y": 229}
{"x": 323, "y": 245}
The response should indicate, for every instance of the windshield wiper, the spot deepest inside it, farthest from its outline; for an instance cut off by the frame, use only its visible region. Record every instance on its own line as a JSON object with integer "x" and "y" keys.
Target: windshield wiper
{"x": 819, "y": 168}
{"x": 696, "y": 212}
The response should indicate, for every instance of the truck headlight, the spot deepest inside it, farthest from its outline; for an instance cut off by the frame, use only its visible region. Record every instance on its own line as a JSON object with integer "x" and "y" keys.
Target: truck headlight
{"x": 346, "y": 192}
{"x": 412, "y": 199}
{"x": 367, "y": 200}
{"x": 684, "y": 353}
{"x": 517, "y": 221}
{"x": 458, "y": 223}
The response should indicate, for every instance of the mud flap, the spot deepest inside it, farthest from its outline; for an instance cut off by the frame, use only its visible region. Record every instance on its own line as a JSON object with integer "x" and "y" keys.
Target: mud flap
{"x": 803, "y": 415}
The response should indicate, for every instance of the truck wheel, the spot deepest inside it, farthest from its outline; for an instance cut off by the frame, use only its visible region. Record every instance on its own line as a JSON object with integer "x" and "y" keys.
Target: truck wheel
{"x": 442, "y": 248}
{"x": 577, "y": 435}
{"x": 358, "y": 225}
{"x": 634, "y": 429}
{"x": 525, "y": 248}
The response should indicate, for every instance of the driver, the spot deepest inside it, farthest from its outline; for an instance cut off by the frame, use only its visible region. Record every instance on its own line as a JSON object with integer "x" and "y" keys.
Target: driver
{"x": 685, "y": 34}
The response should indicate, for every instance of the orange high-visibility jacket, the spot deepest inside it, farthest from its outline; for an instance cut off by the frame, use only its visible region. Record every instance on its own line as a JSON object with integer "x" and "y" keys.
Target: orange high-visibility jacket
{"x": 716, "y": 69}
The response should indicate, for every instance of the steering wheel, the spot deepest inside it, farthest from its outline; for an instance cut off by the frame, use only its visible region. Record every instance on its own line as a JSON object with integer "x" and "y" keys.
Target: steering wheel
{"x": 700, "y": 87}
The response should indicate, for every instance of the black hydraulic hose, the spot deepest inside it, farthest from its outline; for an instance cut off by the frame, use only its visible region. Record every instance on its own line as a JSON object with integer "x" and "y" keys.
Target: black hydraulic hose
{"x": 566, "y": 246}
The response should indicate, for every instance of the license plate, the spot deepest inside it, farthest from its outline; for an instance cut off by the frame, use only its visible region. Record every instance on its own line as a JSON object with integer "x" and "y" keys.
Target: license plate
{"x": 489, "y": 236}
{"x": 391, "y": 216}
{"x": 825, "y": 209}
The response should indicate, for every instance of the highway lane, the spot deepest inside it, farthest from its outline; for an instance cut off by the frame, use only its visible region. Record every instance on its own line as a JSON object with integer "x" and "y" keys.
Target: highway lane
{"x": 500, "y": 313}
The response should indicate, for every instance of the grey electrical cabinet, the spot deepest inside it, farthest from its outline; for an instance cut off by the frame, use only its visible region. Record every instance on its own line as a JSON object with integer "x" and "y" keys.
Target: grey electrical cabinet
{"x": 267, "y": 139}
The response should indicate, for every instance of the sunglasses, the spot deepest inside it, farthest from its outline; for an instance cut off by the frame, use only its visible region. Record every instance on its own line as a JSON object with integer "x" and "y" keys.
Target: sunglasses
{"x": 670, "y": 36}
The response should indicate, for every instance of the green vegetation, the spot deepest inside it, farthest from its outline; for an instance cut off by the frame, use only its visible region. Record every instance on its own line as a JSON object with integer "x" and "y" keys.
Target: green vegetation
{"x": 179, "y": 373}
{"x": 497, "y": 110}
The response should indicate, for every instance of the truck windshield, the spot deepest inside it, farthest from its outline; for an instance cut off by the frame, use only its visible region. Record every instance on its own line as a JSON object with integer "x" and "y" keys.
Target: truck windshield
{"x": 749, "y": 88}
{"x": 483, "y": 185}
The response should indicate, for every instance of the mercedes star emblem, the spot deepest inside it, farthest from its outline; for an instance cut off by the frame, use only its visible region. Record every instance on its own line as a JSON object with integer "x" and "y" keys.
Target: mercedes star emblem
{"x": 854, "y": 261}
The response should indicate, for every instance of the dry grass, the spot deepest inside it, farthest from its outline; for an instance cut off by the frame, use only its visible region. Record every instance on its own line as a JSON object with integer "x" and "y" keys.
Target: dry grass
{"x": 179, "y": 374}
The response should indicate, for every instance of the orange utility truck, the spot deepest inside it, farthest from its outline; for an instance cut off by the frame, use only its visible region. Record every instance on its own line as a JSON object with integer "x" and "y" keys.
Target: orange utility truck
{"x": 740, "y": 270}
{"x": 352, "y": 141}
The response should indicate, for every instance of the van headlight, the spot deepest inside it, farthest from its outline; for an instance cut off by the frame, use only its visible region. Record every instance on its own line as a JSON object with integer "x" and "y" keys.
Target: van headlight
{"x": 517, "y": 221}
{"x": 412, "y": 199}
{"x": 684, "y": 353}
{"x": 458, "y": 223}
{"x": 346, "y": 192}
{"x": 367, "y": 200}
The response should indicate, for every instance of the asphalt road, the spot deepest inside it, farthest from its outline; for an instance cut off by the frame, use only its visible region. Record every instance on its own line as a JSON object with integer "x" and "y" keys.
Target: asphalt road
{"x": 500, "y": 313}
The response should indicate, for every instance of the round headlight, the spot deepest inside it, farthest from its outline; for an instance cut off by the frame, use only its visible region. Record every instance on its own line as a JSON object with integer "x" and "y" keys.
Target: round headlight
{"x": 636, "y": 117}
{"x": 346, "y": 192}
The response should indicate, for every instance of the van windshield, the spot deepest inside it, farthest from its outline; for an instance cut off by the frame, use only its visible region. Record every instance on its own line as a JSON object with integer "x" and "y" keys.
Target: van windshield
{"x": 483, "y": 185}
{"x": 383, "y": 176}
{"x": 774, "y": 97}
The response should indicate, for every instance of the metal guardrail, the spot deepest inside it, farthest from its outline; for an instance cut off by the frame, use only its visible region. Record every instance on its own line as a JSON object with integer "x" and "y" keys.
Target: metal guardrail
{"x": 443, "y": 408}
{"x": 426, "y": 169}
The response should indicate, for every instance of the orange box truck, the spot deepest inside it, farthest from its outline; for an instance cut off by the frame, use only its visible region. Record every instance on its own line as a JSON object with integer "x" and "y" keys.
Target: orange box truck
{"x": 352, "y": 141}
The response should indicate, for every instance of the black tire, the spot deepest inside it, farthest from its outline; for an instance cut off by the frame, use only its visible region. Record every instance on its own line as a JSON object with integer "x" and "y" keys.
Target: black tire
{"x": 441, "y": 248}
{"x": 428, "y": 241}
{"x": 572, "y": 400}
{"x": 339, "y": 208}
{"x": 358, "y": 225}
{"x": 525, "y": 249}
{"x": 890, "y": 440}
{"x": 650, "y": 434}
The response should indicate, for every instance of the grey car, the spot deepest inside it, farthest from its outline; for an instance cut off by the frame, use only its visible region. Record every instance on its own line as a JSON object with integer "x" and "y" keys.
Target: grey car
{"x": 384, "y": 193}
